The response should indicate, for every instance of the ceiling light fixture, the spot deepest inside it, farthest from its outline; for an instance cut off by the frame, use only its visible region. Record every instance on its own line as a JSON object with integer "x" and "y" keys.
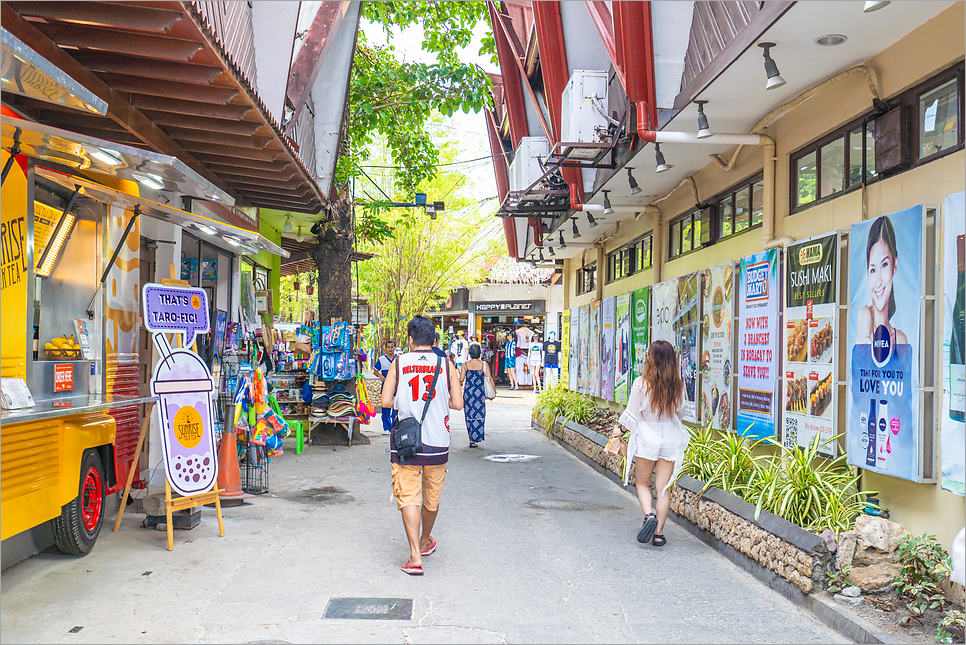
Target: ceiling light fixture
{"x": 150, "y": 180}
{"x": 704, "y": 129}
{"x": 298, "y": 236}
{"x": 107, "y": 156}
{"x": 590, "y": 218}
{"x": 607, "y": 208}
{"x": 662, "y": 165}
{"x": 874, "y": 6}
{"x": 550, "y": 248}
{"x": 541, "y": 256}
{"x": 775, "y": 79}
{"x": 204, "y": 228}
{"x": 233, "y": 240}
{"x": 563, "y": 244}
{"x": 576, "y": 232}
{"x": 830, "y": 40}
{"x": 635, "y": 189}
{"x": 287, "y": 226}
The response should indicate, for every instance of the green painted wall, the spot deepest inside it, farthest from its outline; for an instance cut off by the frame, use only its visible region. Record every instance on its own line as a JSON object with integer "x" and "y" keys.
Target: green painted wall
{"x": 271, "y": 262}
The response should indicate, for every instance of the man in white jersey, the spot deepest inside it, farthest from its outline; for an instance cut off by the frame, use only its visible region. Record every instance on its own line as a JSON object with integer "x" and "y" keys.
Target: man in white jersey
{"x": 461, "y": 348}
{"x": 418, "y": 484}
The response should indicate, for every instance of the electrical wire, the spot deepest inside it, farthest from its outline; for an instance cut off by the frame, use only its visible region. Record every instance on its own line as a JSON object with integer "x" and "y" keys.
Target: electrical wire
{"x": 452, "y": 163}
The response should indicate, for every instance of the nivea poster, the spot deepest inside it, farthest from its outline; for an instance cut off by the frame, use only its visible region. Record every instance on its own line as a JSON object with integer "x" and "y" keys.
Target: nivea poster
{"x": 640, "y": 331}
{"x": 954, "y": 347}
{"x": 622, "y": 348}
{"x": 574, "y": 358}
{"x": 717, "y": 354}
{"x": 758, "y": 335}
{"x": 593, "y": 358}
{"x": 608, "y": 312}
{"x": 885, "y": 291}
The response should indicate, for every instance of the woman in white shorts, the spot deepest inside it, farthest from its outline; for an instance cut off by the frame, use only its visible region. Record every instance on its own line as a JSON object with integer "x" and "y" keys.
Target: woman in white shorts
{"x": 657, "y": 436}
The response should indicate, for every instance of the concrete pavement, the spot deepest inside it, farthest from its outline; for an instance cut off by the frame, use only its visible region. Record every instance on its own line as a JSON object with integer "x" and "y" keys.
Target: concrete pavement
{"x": 536, "y": 551}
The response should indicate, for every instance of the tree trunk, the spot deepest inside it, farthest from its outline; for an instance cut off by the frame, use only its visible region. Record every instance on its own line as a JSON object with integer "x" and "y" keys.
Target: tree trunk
{"x": 332, "y": 256}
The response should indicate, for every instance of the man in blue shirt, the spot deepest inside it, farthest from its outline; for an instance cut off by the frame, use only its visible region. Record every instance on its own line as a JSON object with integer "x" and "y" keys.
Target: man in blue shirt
{"x": 383, "y": 363}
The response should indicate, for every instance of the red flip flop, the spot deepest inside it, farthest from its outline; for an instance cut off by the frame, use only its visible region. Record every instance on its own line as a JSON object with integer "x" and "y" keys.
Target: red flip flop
{"x": 432, "y": 547}
{"x": 411, "y": 570}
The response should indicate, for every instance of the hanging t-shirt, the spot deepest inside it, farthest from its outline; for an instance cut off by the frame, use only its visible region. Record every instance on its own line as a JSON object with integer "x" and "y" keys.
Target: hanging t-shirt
{"x": 461, "y": 349}
{"x": 535, "y": 356}
{"x": 524, "y": 336}
{"x": 551, "y": 352}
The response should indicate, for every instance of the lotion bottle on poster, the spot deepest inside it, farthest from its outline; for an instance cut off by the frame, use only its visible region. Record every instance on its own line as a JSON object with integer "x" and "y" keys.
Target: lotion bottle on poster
{"x": 870, "y": 454}
{"x": 882, "y": 435}
{"x": 957, "y": 340}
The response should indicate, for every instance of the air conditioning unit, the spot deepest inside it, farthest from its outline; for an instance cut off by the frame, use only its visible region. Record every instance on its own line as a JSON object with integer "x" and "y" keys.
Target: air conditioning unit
{"x": 526, "y": 166}
{"x": 583, "y": 104}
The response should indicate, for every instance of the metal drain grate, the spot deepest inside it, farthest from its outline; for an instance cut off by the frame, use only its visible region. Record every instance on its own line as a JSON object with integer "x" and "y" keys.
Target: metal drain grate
{"x": 369, "y": 609}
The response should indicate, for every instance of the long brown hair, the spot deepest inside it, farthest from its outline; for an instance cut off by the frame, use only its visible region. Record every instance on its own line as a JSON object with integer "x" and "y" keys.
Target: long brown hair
{"x": 663, "y": 380}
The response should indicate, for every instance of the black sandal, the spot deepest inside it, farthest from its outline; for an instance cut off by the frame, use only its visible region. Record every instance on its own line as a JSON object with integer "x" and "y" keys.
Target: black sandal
{"x": 647, "y": 529}
{"x": 659, "y": 540}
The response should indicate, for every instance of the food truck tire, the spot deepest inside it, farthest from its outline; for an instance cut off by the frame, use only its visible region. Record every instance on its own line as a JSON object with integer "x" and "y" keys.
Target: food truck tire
{"x": 80, "y": 520}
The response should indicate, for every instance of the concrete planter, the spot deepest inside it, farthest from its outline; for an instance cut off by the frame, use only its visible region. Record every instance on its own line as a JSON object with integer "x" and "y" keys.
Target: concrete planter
{"x": 790, "y": 552}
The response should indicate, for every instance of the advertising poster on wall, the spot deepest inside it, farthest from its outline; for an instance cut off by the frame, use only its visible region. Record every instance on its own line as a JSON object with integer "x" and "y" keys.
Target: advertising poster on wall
{"x": 717, "y": 349}
{"x": 809, "y": 343}
{"x": 676, "y": 311}
{"x": 565, "y": 348}
{"x": 622, "y": 348}
{"x": 574, "y": 358}
{"x": 758, "y": 336}
{"x": 885, "y": 291}
{"x": 593, "y": 360}
{"x": 583, "y": 351}
{"x": 608, "y": 313}
{"x": 954, "y": 344}
{"x": 640, "y": 331}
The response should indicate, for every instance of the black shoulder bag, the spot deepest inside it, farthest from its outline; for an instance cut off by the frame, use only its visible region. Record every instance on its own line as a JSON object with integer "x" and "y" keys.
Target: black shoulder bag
{"x": 407, "y": 434}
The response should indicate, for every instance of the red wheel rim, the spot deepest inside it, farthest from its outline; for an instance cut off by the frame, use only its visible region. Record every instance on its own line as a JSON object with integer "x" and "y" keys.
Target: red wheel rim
{"x": 92, "y": 499}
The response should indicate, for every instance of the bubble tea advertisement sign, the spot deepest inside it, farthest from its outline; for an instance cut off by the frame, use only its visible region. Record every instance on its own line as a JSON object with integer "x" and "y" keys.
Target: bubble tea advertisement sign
{"x": 184, "y": 384}
{"x": 717, "y": 354}
{"x": 885, "y": 292}
{"x": 810, "y": 400}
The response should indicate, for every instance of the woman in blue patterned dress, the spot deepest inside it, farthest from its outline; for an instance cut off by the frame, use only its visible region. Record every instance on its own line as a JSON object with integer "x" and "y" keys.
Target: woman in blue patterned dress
{"x": 472, "y": 374}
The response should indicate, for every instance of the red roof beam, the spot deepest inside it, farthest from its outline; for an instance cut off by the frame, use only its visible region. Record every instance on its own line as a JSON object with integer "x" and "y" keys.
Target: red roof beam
{"x": 512, "y": 86}
{"x": 635, "y": 48}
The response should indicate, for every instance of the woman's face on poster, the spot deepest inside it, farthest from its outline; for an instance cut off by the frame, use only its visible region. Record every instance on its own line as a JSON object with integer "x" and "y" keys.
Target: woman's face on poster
{"x": 882, "y": 268}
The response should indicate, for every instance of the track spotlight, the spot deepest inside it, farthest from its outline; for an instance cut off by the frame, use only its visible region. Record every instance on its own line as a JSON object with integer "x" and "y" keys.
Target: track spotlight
{"x": 590, "y": 218}
{"x": 287, "y": 226}
{"x": 550, "y": 248}
{"x": 576, "y": 232}
{"x": 607, "y": 208}
{"x": 563, "y": 244}
{"x": 874, "y": 6}
{"x": 541, "y": 256}
{"x": 775, "y": 79}
{"x": 662, "y": 165}
{"x": 635, "y": 189}
{"x": 704, "y": 130}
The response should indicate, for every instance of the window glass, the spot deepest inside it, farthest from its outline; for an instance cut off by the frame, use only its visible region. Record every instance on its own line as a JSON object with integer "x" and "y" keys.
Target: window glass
{"x": 742, "y": 209}
{"x": 757, "y": 202}
{"x": 686, "y": 234}
{"x": 855, "y": 156}
{"x": 939, "y": 119}
{"x": 646, "y": 252}
{"x": 806, "y": 172}
{"x": 675, "y": 239}
{"x": 697, "y": 230}
{"x": 833, "y": 167}
{"x": 870, "y": 172}
{"x": 626, "y": 262}
{"x": 727, "y": 213}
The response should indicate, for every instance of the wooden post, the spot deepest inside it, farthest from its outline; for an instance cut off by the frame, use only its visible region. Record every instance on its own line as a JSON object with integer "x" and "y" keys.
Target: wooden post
{"x": 137, "y": 456}
{"x": 167, "y": 513}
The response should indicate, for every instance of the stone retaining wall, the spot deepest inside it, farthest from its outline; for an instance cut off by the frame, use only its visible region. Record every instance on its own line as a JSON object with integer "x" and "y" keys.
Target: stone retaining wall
{"x": 798, "y": 556}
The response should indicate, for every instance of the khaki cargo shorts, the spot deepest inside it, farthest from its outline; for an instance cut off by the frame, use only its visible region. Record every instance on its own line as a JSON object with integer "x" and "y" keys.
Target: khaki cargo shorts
{"x": 415, "y": 485}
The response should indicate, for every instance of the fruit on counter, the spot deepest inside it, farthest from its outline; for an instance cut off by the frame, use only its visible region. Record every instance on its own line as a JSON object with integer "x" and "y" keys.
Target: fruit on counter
{"x": 62, "y": 343}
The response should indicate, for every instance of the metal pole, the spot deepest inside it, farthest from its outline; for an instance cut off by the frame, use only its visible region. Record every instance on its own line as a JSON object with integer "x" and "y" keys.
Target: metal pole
{"x": 110, "y": 265}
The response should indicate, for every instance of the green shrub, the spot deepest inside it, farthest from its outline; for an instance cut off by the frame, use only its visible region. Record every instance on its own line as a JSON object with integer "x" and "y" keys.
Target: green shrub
{"x": 558, "y": 401}
{"x": 699, "y": 457}
{"x": 951, "y": 627}
{"x": 924, "y": 566}
{"x": 838, "y": 579}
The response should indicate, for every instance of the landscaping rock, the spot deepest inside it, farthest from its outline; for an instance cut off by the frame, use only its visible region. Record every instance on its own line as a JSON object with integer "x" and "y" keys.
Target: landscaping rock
{"x": 874, "y": 576}
{"x": 846, "y": 551}
{"x": 852, "y": 591}
{"x": 877, "y": 533}
{"x": 889, "y": 588}
{"x": 848, "y": 600}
